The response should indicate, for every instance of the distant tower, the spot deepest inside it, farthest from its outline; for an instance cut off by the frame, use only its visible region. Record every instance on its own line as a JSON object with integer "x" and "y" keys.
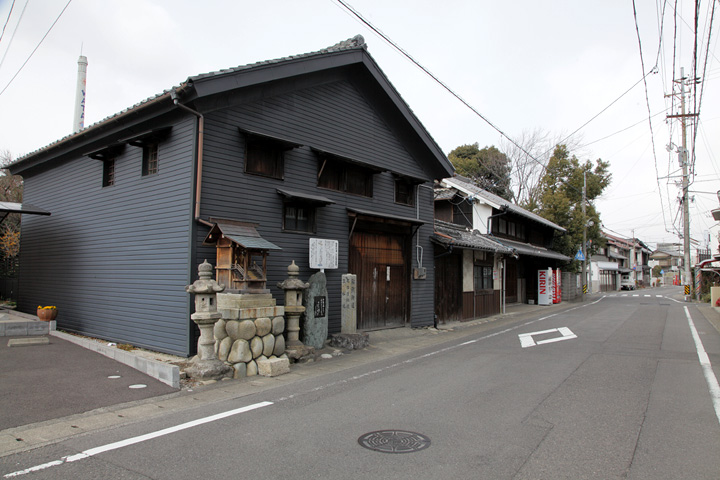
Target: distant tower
{"x": 79, "y": 120}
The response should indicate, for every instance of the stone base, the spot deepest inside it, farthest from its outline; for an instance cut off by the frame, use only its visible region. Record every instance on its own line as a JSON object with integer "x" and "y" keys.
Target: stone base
{"x": 350, "y": 341}
{"x": 295, "y": 353}
{"x": 209, "y": 370}
{"x": 272, "y": 367}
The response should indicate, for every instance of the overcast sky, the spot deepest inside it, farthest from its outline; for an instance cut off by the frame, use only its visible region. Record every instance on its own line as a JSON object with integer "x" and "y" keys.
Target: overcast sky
{"x": 524, "y": 65}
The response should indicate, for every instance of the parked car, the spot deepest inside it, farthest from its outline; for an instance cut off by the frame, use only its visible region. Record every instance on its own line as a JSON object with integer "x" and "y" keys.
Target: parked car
{"x": 627, "y": 283}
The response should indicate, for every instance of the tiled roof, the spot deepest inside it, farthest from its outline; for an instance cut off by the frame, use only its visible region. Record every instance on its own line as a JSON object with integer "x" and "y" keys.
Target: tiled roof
{"x": 356, "y": 42}
{"x": 350, "y": 44}
{"x": 450, "y": 234}
{"x": 476, "y": 191}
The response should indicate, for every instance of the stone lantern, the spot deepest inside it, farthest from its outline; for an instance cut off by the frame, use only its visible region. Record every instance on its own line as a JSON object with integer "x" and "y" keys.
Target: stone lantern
{"x": 206, "y": 365}
{"x": 293, "y": 287}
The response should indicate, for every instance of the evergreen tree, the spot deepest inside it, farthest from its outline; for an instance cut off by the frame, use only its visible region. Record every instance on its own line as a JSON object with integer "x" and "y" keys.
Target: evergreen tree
{"x": 488, "y": 168}
{"x": 561, "y": 200}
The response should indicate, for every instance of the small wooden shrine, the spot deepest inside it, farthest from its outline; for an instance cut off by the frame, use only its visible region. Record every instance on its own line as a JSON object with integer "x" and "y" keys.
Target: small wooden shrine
{"x": 241, "y": 256}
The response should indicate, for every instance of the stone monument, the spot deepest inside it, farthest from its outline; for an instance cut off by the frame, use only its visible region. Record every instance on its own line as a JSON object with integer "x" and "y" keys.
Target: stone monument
{"x": 315, "y": 301}
{"x": 348, "y": 301}
{"x": 206, "y": 365}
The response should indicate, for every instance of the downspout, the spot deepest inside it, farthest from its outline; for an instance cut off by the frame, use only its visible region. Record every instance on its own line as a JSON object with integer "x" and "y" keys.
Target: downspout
{"x": 198, "y": 173}
{"x": 503, "y": 211}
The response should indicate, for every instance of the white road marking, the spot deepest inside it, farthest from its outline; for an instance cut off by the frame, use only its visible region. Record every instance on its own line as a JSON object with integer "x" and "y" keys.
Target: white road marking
{"x": 141, "y": 438}
{"x": 710, "y": 377}
{"x": 526, "y": 339}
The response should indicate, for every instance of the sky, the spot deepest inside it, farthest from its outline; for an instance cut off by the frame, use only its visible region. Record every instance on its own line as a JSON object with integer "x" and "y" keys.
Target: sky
{"x": 558, "y": 67}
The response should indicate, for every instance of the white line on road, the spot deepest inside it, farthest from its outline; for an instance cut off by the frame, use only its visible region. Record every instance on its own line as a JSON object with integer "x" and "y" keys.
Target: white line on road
{"x": 142, "y": 438}
{"x": 710, "y": 378}
{"x": 526, "y": 339}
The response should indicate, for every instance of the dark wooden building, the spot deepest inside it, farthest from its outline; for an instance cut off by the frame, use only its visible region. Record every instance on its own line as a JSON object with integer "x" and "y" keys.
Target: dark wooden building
{"x": 318, "y": 145}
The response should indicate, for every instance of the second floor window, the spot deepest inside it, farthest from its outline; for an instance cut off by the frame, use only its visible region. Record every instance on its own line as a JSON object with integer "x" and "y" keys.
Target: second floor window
{"x": 345, "y": 177}
{"x": 108, "y": 172}
{"x": 404, "y": 192}
{"x": 150, "y": 159}
{"x": 264, "y": 158}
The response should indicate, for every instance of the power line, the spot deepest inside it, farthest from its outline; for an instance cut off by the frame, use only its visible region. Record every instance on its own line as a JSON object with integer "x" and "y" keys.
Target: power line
{"x": 7, "y": 20}
{"x": 647, "y": 101}
{"x": 35, "y": 49}
{"x": 382, "y": 35}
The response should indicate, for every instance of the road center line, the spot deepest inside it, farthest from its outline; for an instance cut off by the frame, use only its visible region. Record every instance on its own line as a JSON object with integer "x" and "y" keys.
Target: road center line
{"x": 710, "y": 378}
{"x": 141, "y": 438}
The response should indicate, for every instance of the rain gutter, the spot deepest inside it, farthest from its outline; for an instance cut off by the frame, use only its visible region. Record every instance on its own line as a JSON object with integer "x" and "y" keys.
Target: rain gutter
{"x": 201, "y": 137}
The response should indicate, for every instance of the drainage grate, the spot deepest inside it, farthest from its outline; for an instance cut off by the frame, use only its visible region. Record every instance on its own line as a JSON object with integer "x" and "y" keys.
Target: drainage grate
{"x": 394, "y": 441}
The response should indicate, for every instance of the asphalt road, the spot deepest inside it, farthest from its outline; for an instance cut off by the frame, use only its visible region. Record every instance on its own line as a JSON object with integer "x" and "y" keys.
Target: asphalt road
{"x": 610, "y": 389}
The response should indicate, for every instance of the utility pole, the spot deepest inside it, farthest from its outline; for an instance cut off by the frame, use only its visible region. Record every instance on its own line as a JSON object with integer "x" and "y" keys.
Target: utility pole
{"x": 685, "y": 197}
{"x": 584, "y": 245}
{"x": 683, "y": 158}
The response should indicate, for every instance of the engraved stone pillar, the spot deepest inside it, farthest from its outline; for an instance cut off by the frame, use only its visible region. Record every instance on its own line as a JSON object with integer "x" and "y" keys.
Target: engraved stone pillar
{"x": 206, "y": 365}
{"x": 348, "y": 323}
{"x": 293, "y": 287}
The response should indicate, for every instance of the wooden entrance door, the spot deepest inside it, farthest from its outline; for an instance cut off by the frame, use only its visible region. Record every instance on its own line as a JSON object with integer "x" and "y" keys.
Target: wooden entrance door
{"x": 448, "y": 287}
{"x": 380, "y": 263}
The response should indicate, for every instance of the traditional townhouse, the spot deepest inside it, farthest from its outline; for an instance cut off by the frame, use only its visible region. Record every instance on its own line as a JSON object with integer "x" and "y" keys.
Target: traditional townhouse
{"x": 489, "y": 250}
{"x": 270, "y": 155}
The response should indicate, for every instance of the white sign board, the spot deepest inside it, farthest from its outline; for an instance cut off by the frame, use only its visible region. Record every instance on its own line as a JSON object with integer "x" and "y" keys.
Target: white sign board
{"x": 323, "y": 253}
{"x": 544, "y": 287}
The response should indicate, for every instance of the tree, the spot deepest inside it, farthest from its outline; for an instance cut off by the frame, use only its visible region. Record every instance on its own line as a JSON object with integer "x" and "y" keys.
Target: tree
{"x": 10, "y": 191}
{"x": 561, "y": 200}
{"x": 488, "y": 168}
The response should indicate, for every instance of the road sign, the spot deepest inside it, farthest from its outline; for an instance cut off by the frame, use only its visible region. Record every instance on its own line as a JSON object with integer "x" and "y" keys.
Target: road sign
{"x": 579, "y": 255}
{"x": 585, "y": 288}
{"x": 687, "y": 289}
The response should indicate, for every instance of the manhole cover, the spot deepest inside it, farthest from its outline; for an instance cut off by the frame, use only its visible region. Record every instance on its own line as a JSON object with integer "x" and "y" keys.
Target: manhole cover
{"x": 394, "y": 441}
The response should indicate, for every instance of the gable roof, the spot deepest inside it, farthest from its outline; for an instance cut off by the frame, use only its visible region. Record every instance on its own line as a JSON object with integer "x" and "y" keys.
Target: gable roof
{"x": 463, "y": 184}
{"x": 349, "y": 52}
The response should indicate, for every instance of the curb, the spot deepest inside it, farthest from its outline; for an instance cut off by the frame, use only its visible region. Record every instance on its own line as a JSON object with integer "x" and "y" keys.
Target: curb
{"x": 166, "y": 373}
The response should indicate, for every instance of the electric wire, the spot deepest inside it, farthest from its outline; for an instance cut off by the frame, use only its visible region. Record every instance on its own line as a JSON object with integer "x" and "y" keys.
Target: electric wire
{"x": 12, "y": 37}
{"x": 7, "y": 20}
{"x": 702, "y": 86}
{"x": 647, "y": 101}
{"x": 389, "y": 41}
{"x": 36, "y": 48}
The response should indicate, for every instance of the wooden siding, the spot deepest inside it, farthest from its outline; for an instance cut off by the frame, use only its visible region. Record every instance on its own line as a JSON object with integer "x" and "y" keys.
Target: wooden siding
{"x": 478, "y": 305}
{"x": 334, "y": 117}
{"x": 114, "y": 260}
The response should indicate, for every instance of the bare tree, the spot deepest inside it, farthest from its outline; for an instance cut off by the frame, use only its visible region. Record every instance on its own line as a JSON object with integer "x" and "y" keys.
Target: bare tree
{"x": 528, "y": 157}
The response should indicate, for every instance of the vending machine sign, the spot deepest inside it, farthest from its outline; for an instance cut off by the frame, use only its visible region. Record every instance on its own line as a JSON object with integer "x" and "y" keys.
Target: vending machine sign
{"x": 544, "y": 287}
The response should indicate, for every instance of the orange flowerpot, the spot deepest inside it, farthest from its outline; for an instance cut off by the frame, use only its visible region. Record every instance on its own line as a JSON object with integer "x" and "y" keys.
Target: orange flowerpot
{"x": 47, "y": 314}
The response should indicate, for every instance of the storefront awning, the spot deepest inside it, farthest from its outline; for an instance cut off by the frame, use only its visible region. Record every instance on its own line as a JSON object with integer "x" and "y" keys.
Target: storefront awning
{"x": 533, "y": 250}
{"x": 607, "y": 266}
